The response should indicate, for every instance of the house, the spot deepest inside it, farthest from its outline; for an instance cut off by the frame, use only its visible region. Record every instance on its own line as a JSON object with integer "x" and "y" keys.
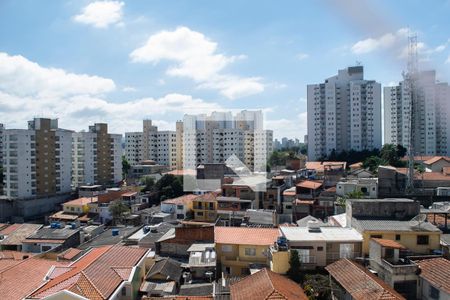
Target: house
{"x": 162, "y": 279}
{"x": 307, "y": 191}
{"x": 202, "y": 261}
{"x": 368, "y": 187}
{"x": 248, "y": 187}
{"x": 303, "y": 222}
{"x": 12, "y": 237}
{"x": 205, "y": 208}
{"x": 231, "y": 210}
{"x": 48, "y": 238}
{"x": 111, "y": 236}
{"x": 177, "y": 240}
{"x": 434, "y": 277}
{"x": 107, "y": 272}
{"x": 22, "y": 276}
{"x": 316, "y": 246}
{"x": 391, "y": 219}
{"x": 437, "y": 163}
{"x": 266, "y": 284}
{"x": 357, "y": 283}
{"x": 241, "y": 249}
{"x": 360, "y": 173}
{"x": 388, "y": 259}
{"x": 181, "y": 207}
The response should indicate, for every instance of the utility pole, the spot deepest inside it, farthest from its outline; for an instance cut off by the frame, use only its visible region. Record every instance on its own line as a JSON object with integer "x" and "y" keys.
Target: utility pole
{"x": 410, "y": 80}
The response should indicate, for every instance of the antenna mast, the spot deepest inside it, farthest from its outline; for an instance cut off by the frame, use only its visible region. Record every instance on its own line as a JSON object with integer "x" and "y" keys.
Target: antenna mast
{"x": 410, "y": 80}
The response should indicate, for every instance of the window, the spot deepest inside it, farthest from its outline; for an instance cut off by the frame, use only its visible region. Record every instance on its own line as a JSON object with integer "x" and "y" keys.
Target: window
{"x": 376, "y": 236}
{"x": 397, "y": 237}
{"x": 180, "y": 207}
{"x": 199, "y": 213}
{"x": 422, "y": 240}
{"x": 433, "y": 292}
{"x": 250, "y": 251}
{"x": 180, "y": 216}
{"x": 124, "y": 291}
{"x": 319, "y": 248}
{"x": 227, "y": 248}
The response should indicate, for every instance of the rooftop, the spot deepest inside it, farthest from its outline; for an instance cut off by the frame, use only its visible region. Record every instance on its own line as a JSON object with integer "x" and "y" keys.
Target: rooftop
{"x": 19, "y": 234}
{"x": 106, "y": 237}
{"x": 360, "y": 283}
{"x": 309, "y": 184}
{"x": 170, "y": 268}
{"x": 21, "y": 279}
{"x": 388, "y": 243}
{"x": 326, "y": 234}
{"x": 392, "y": 225}
{"x": 53, "y": 233}
{"x": 266, "y": 284}
{"x": 436, "y": 159}
{"x": 437, "y": 272}
{"x": 81, "y": 201}
{"x": 319, "y": 166}
{"x": 95, "y": 275}
{"x": 245, "y": 235}
{"x": 185, "y": 199}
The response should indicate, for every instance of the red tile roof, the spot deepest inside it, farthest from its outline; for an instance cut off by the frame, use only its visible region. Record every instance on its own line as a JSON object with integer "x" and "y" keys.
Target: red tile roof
{"x": 81, "y": 201}
{"x": 308, "y": 184}
{"x": 69, "y": 254}
{"x": 360, "y": 283}
{"x": 97, "y": 274}
{"x": 181, "y": 200}
{"x": 245, "y": 235}
{"x": 42, "y": 241}
{"x": 437, "y": 272}
{"x": 319, "y": 165}
{"x": 266, "y": 284}
{"x": 9, "y": 229}
{"x": 436, "y": 159}
{"x": 20, "y": 280}
{"x": 389, "y": 243}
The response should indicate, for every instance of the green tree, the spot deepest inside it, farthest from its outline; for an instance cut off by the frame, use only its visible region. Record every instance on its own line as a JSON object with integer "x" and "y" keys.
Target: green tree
{"x": 149, "y": 184}
{"x": 318, "y": 286}
{"x": 371, "y": 163}
{"x": 294, "y": 271}
{"x": 169, "y": 186}
{"x": 118, "y": 209}
{"x": 125, "y": 167}
{"x": 354, "y": 195}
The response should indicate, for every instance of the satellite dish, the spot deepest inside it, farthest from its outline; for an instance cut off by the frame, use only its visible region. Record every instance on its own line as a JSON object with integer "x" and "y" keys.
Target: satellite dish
{"x": 417, "y": 220}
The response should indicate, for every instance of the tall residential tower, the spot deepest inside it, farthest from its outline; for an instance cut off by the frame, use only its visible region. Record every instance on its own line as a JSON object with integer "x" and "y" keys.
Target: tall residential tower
{"x": 344, "y": 113}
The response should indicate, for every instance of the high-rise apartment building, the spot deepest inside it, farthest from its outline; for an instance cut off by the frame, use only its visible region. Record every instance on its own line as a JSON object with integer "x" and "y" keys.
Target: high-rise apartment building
{"x": 431, "y": 110}
{"x": 344, "y": 113}
{"x": 97, "y": 156}
{"x": 151, "y": 144}
{"x": 215, "y": 138}
{"x": 1, "y": 158}
{"x": 37, "y": 160}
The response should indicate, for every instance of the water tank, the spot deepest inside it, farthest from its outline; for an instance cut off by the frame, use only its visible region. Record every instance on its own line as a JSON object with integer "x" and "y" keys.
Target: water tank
{"x": 115, "y": 232}
{"x": 73, "y": 225}
{"x": 313, "y": 226}
{"x": 146, "y": 229}
{"x": 58, "y": 225}
{"x": 53, "y": 225}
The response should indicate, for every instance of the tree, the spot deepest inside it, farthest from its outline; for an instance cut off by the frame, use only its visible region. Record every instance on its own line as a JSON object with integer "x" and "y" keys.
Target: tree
{"x": 125, "y": 167}
{"x": 169, "y": 186}
{"x": 149, "y": 184}
{"x": 294, "y": 271}
{"x": 318, "y": 286}
{"x": 117, "y": 209}
{"x": 372, "y": 163}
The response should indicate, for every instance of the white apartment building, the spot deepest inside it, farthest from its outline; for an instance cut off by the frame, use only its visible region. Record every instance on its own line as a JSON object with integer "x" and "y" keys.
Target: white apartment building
{"x": 2, "y": 128}
{"x": 151, "y": 144}
{"x": 215, "y": 138}
{"x": 37, "y": 160}
{"x": 96, "y": 157}
{"x": 344, "y": 113}
{"x": 431, "y": 110}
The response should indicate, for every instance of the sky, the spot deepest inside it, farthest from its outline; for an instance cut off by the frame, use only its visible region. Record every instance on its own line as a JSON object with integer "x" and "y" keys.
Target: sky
{"x": 124, "y": 61}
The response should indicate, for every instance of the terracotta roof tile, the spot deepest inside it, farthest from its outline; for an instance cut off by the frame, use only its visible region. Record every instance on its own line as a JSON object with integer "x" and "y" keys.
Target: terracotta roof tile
{"x": 20, "y": 233}
{"x": 9, "y": 229}
{"x": 245, "y": 235}
{"x": 389, "y": 243}
{"x": 436, "y": 159}
{"x": 437, "y": 272}
{"x": 308, "y": 184}
{"x": 69, "y": 254}
{"x": 20, "y": 280}
{"x": 266, "y": 284}
{"x": 181, "y": 200}
{"x": 360, "y": 283}
{"x": 81, "y": 201}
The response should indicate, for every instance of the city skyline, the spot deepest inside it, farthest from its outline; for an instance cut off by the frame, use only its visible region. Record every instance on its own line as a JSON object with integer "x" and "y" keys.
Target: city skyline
{"x": 124, "y": 65}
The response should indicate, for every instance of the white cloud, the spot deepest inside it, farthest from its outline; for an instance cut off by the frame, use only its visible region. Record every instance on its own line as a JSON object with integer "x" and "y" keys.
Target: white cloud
{"x": 448, "y": 60}
{"x": 385, "y": 41}
{"x": 129, "y": 89}
{"x": 302, "y": 56}
{"x": 28, "y": 90}
{"x": 19, "y": 76}
{"x": 196, "y": 57}
{"x": 101, "y": 14}
{"x": 291, "y": 128}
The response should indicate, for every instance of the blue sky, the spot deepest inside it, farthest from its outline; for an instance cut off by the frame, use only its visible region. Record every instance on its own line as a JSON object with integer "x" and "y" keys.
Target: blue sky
{"x": 122, "y": 61}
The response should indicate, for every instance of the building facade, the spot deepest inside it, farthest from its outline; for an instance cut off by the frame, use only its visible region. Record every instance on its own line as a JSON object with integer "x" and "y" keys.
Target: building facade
{"x": 344, "y": 113}
{"x": 97, "y": 156}
{"x": 37, "y": 160}
{"x": 151, "y": 144}
{"x": 431, "y": 109}
{"x": 2, "y": 128}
